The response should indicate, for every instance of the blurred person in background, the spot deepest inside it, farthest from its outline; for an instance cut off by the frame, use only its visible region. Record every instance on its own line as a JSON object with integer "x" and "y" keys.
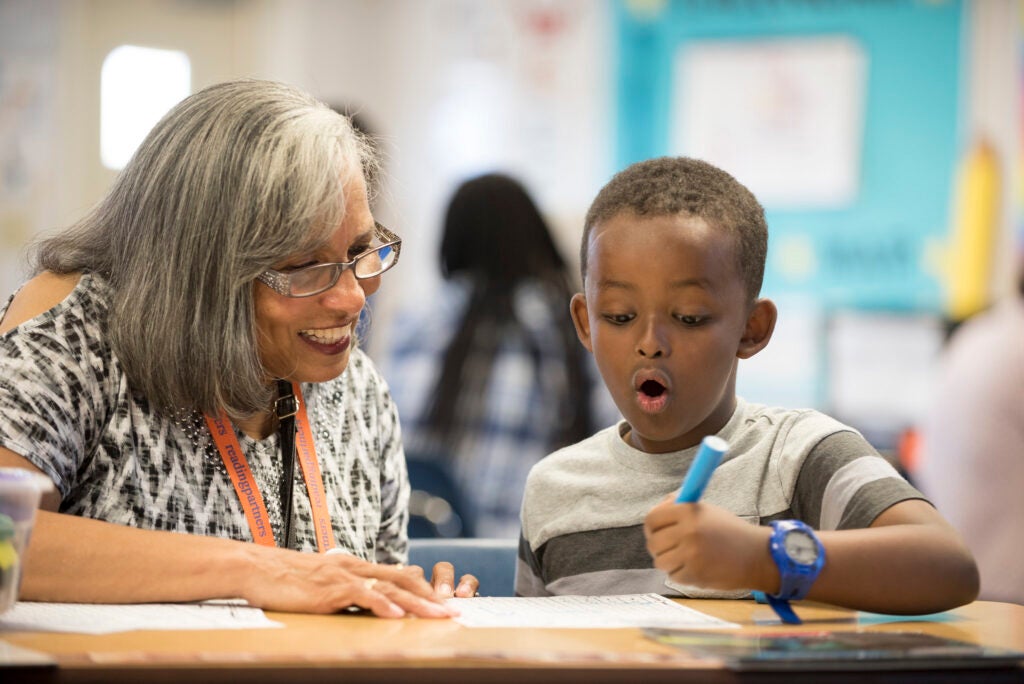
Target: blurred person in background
{"x": 491, "y": 378}
{"x": 972, "y": 463}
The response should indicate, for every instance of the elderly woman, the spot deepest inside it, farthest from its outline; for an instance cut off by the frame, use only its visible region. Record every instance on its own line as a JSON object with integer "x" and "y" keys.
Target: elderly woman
{"x": 184, "y": 367}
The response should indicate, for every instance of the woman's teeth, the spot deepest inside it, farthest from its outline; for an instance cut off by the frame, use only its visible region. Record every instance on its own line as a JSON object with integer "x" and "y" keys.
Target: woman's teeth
{"x": 325, "y": 336}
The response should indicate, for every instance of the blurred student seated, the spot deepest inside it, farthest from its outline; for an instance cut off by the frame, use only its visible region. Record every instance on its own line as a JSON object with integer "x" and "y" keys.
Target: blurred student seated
{"x": 972, "y": 464}
{"x": 490, "y": 377}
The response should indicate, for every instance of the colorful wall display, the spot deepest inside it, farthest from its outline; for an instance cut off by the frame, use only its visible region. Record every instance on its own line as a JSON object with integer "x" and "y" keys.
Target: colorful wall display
{"x": 842, "y": 116}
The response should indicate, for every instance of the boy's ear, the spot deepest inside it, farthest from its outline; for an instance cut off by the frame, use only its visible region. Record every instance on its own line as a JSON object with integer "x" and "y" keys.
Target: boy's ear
{"x": 580, "y": 319}
{"x": 760, "y": 325}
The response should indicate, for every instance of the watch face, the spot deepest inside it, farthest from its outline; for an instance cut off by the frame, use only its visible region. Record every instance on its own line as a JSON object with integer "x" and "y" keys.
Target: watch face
{"x": 801, "y": 547}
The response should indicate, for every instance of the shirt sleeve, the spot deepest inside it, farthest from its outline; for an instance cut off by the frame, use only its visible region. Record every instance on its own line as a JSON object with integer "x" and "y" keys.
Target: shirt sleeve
{"x": 844, "y": 483}
{"x": 51, "y": 391}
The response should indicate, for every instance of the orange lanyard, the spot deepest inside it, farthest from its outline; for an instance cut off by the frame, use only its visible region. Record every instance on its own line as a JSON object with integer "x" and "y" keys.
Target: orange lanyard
{"x": 248, "y": 491}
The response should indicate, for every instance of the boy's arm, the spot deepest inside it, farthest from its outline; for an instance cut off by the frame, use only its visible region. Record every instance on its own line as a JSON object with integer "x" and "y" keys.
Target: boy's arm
{"x": 909, "y": 561}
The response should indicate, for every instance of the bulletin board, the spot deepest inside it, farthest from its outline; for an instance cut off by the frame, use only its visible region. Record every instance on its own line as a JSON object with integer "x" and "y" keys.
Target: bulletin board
{"x": 843, "y": 116}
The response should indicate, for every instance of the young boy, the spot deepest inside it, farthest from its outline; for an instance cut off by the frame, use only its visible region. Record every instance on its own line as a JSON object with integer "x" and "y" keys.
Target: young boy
{"x": 672, "y": 260}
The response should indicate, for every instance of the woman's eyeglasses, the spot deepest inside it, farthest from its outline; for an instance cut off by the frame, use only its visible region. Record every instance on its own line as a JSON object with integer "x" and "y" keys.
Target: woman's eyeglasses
{"x": 312, "y": 280}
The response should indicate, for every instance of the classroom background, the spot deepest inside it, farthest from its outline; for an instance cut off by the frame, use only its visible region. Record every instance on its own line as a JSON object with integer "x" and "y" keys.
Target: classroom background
{"x": 883, "y": 138}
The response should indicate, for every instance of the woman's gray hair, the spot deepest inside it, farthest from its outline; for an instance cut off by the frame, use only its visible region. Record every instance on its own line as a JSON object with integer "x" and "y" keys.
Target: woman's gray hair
{"x": 234, "y": 179}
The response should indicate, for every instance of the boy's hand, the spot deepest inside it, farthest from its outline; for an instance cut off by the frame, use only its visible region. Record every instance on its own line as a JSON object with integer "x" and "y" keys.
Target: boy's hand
{"x": 443, "y": 582}
{"x": 707, "y": 546}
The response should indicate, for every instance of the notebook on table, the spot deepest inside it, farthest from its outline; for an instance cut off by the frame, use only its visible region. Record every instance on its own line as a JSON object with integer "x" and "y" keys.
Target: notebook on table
{"x": 840, "y": 650}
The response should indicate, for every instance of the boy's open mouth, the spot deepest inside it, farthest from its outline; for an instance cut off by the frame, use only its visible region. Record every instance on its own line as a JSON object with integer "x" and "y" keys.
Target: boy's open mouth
{"x": 652, "y": 388}
{"x": 651, "y": 392}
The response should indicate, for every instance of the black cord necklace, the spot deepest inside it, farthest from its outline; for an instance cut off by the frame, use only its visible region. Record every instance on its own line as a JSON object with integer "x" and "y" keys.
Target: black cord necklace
{"x": 285, "y": 407}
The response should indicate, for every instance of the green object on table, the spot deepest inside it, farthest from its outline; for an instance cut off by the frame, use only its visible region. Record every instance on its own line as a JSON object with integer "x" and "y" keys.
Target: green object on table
{"x": 8, "y": 556}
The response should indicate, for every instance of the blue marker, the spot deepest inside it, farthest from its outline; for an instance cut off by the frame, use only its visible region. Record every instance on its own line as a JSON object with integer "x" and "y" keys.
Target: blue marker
{"x": 708, "y": 457}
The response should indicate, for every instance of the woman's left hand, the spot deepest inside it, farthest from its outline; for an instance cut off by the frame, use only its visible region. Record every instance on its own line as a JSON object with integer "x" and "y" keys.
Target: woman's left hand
{"x": 443, "y": 581}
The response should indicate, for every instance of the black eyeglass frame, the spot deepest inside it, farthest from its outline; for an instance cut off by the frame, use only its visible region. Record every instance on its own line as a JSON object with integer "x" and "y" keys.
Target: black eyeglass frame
{"x": 281, "y": 282}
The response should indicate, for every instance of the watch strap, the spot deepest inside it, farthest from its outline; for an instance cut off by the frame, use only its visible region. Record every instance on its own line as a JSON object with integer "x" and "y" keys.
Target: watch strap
{"x": 783, "y": 610}
{"x": 795, "y": 579}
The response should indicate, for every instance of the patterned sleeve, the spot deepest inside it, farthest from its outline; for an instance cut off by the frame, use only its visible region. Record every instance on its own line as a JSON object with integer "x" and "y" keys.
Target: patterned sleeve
{"x": 51, "y": 389}
{"x": 393, "y": 540}
{"x": 845, "y": 483}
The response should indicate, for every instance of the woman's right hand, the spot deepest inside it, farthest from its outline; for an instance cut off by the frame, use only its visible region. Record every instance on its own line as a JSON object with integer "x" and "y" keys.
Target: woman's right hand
{"x": 70, "y": 557}
{"x": 290, "y": 581}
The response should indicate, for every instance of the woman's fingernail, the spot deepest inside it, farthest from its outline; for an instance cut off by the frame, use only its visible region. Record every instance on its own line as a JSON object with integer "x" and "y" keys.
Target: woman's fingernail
{"x": 445, "y": 589}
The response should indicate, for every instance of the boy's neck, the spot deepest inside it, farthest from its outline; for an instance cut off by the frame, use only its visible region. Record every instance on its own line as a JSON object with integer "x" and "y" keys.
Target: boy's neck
{"x": 630, "y": 438}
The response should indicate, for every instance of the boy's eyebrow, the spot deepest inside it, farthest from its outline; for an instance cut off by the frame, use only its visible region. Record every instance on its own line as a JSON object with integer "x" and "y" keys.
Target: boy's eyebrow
{"x": 609, "y": 284}
{"x": 702, "y": 283}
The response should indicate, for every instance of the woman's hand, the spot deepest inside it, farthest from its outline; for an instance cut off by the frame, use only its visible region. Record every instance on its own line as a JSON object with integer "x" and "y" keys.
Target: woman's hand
{"x": 327, "y": 583}
{"x": 443, "y": 579}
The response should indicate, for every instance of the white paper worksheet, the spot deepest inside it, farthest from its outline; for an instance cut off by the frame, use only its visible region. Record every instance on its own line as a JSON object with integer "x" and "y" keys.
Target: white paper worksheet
{"x": 90, "y": 618}
{"x": 627, "y": 610}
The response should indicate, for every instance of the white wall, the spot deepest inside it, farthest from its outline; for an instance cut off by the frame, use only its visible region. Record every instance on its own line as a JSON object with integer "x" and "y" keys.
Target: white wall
{"x": 458, "y": 87}
{"x": 29, "y": 186}
{"x": 454, "y": 87}
{"x": 993, "y": 112}
{"x": 51, "y": 53}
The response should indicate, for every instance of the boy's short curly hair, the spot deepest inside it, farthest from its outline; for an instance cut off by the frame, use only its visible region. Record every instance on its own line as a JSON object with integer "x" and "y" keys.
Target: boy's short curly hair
{"x": 667, "y": 186}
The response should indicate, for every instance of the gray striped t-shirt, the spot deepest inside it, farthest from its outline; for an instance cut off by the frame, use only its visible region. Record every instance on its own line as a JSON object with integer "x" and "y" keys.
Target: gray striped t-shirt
{"x": 584, "y": 507}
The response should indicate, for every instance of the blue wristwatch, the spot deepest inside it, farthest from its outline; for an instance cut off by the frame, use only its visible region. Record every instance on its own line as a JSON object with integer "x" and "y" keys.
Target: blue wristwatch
{"x": 800, "y": 556}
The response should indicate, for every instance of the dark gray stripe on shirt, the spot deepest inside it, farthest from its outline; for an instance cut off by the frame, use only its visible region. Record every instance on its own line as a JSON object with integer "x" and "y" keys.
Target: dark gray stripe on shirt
{"x": 830, "y": 454}
{"x": 527, "y": 557}
{"x": 615, "y": 548}
{"x": 834, "y": 453}
{"x": 612, "y": 582}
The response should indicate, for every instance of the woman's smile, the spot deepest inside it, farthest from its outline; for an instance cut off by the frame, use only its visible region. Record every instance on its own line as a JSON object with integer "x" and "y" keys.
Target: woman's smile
{"x": 328, "y": 340}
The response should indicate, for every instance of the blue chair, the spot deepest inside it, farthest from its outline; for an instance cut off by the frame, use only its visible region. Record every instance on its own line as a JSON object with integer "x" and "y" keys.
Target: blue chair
{"x": 436, "y": 506}
{"x": 492, "y": 561}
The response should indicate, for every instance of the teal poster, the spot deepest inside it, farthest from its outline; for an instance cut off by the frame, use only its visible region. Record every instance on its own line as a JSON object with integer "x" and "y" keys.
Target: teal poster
{"x": 843, "y": 117}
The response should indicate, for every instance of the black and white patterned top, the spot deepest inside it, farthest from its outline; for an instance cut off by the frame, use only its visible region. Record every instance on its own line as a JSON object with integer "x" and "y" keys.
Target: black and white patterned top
{"x": 66, "y": 406}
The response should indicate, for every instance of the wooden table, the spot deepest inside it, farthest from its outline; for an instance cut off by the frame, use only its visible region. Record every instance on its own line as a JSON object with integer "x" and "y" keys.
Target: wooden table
{"x": 365, "y": 649}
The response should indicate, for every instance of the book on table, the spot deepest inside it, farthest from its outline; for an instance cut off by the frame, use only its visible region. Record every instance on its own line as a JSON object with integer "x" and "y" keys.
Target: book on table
{"x": 838, "y": 650}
